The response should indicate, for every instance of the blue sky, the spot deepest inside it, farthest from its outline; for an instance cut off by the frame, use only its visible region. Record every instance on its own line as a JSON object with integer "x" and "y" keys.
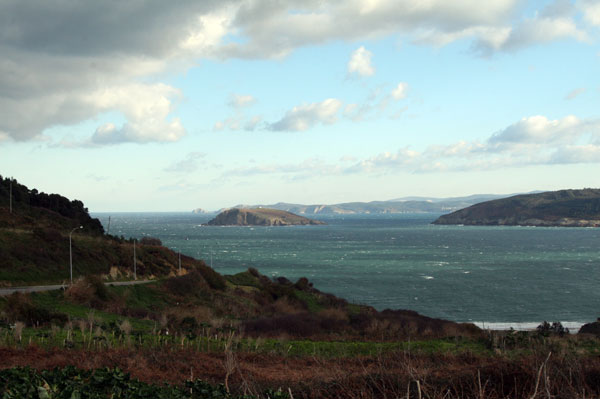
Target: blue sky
{"x": 150, "y": 106}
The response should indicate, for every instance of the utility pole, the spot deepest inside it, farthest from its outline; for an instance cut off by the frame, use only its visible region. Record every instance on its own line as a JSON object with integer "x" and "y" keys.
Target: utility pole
{"x": 71, "y": 252}
{"x": 108, "y": 230}
{"x": 134, "y": 261}
{"x": 10, "y": 195}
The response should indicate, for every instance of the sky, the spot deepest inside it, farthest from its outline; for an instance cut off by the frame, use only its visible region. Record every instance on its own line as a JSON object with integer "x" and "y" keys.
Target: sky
{"x": 171, "y": 106}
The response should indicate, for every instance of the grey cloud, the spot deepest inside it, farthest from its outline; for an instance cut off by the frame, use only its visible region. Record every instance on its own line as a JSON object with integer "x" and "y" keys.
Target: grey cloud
{"x": 241, "y": 100}
{"x": 74, "y": 28}
{"x": 253, "y": 123}
{"x": 527, "y": 32}
{"x": 559, "y": 8}
{"x": 57, "y": 54}
{"x": 303, "y": 117}
{"x": 574, "y": 93}
{"x": 188, "y": 164}
{"x": 276, "y": 28}
{"x": 110, "y": 134}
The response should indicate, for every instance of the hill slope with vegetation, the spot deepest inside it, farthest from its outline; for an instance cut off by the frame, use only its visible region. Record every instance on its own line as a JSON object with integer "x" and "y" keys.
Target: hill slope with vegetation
{"x": 34, "y": 242}
{"x": 569, "y": 208}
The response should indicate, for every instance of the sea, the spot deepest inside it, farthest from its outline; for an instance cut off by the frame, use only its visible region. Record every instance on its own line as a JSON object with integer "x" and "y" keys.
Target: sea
{"x": 498, "y": 277}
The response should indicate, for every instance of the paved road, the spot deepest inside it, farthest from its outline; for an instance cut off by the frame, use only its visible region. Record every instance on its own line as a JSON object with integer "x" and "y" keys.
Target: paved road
{"x": 38, "y": 288}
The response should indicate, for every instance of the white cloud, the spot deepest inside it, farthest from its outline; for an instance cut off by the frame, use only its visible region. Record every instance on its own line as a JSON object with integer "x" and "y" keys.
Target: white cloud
{"x": 146, "y": 108}
{"x": 530, "y": 31}
{"x": 360, "y": 62}
{"x": 591, "y": 11}
{"x": 231, "y": 123}
{"x": 399, "y": 91}
{"x": 253, "y": 123}
{"x": 275, "y": 29}
{"x": 241, "y": 100}
{"x": 588, "y": 153}
{"x": 55, "y": 55}
{"x": 303, "y": 117}
{"x": 574, "y": 93}
{"x": 4, "y": 137}
{"x": 540, "y": 130}
{"x": 534, "y": 140}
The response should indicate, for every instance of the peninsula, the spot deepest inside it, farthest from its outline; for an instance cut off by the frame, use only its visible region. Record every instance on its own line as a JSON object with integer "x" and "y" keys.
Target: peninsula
{"x": 567, "y": 208}
{"x": 259, "y": 217}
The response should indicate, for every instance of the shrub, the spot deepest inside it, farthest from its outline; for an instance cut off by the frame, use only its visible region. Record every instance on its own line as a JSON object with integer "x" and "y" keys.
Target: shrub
{"x": 546, "y": 329}
{"x": 214, "y": 279}
{"x": 303, "y": 284}
{"x": 150, "y": 241}
{"x": 89, "y": 290}
{"x": 20, "y": 307}
{"x": 188, "y": 284}
{"x": 48, "y": 235}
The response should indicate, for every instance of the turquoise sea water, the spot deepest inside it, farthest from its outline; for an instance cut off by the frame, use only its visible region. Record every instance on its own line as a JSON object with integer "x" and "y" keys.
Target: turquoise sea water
{"x": 461, "y": 273}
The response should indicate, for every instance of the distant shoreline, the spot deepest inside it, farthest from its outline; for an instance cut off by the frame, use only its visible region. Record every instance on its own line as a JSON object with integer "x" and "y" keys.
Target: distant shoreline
{"x": 573, "y": 326}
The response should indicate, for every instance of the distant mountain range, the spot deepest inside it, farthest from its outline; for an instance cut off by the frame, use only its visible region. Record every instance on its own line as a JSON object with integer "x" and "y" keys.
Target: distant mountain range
{"x": 398, "y": 205}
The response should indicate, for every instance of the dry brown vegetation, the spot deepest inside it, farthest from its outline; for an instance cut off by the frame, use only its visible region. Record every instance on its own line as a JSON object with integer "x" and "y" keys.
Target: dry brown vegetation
{"x": 395, "y": 375}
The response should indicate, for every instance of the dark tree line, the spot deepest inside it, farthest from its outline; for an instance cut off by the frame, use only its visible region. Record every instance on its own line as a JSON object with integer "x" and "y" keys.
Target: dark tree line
{"x": 24, "y": 199}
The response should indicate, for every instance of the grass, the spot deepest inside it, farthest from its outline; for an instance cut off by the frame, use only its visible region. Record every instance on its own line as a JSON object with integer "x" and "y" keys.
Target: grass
{"x": 310, "y": 300}
{"x": 145, "y": 336}
{"x": 53, "y": 300}
{"x": 245, "y": 279}
{"x": 143, "y": 296}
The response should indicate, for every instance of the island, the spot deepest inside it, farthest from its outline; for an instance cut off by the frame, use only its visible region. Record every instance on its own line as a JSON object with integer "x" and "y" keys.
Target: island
{"x": 567, "y": 208}
{"x": 260, "y": 217}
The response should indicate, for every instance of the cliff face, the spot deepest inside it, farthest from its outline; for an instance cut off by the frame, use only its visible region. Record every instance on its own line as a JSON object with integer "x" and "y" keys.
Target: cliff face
{"x": 568, "y": 208}
{"x": 259, "y": 217}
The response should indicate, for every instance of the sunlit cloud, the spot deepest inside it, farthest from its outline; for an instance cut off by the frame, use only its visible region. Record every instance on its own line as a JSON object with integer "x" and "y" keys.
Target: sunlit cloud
{"x": 360, "y": 63}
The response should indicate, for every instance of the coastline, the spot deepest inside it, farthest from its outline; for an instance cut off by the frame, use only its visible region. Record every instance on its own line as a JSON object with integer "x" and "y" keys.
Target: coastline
{"x": 573, "y": 326}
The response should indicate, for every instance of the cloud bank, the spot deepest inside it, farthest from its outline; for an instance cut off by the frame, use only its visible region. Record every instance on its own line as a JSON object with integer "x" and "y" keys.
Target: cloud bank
{"x": 534, "y": 140}
{"x": 64, "y": 62}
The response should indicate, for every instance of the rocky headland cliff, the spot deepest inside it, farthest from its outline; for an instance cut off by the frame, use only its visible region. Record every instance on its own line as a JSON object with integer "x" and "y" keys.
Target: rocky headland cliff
{"x": 568, "y": 208}
{"x": 260, "y": 217}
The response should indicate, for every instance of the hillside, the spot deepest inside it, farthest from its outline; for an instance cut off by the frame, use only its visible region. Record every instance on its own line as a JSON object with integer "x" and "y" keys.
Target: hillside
{"x": 260, "y": 217}
{"x": 568, "y": 208}
{"x": 241, "y": 336}
{"x": 34, "y": 242}
{"x": 34, "y": 248}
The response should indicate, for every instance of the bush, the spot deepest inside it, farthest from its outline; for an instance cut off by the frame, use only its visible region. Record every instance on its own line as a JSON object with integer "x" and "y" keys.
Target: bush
{"x": 188, "y": 284}
{"x": 546, "y": 329}
{"x": 20, "y": 308}
{"x": 150, "y": 241}
{"x": 214, "y": 279}
{"x": 48, "y": 235}
{"x": 303, "y": 284}
{"x": 89, "y": 290}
